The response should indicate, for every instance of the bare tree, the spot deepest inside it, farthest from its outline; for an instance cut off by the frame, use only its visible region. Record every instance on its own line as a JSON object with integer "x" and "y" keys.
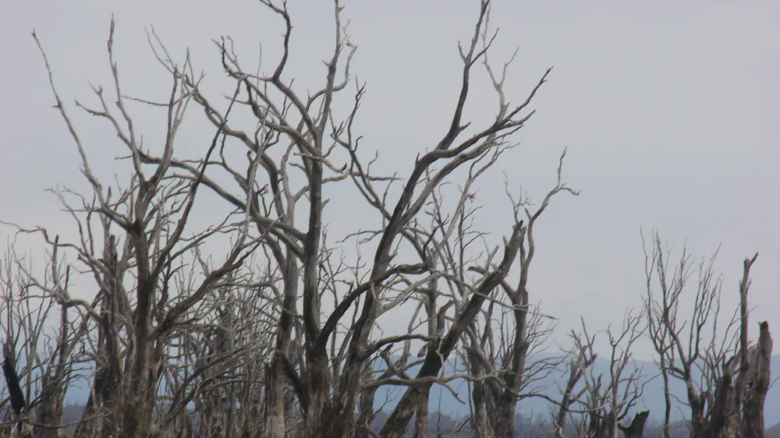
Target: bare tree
{"x": 611, "y": 397}
{"x": 145, "y": 241}
{"x": 498, "y": 357}
{"x": 281, "y": 334}
{"x": 711, "y": 358}
{"x": 42, "y": 339}
{"x": 596, "y": 403}
{"x": 752, "y": 383}
{"x": 580, "y": 359}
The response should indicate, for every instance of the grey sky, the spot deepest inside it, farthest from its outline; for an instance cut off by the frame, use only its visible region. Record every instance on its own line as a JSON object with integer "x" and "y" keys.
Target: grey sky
{"x": 669, "y": 110}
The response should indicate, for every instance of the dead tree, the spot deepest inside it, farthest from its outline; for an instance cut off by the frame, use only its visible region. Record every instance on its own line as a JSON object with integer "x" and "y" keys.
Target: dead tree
{"x": 501, "y": 353}
{"x": 727, "y": 400}
{"x": 752, "y": 383}
{"x": 41, "y": 338}
{"x": 142, "y": 230}
{"x": 169, "y": 327}
{"x": 637, "y": 426}
{"x": 15, "y": 394}
{"x": 605, "y": 399}
{"x": 580, "y": 359}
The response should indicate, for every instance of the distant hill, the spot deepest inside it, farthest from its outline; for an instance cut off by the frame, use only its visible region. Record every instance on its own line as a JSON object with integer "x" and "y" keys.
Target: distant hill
{"x": 532, "y": 413}
{"x": 442, "y": 400}
{"x": 773, "y": 432}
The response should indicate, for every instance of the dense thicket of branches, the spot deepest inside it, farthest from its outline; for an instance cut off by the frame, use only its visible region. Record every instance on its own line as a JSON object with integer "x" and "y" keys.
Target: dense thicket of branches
{"x": 258, "y": 324}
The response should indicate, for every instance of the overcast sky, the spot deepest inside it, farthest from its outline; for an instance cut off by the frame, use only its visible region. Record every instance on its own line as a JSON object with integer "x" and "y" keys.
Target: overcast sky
{"x": 669, "y": 111}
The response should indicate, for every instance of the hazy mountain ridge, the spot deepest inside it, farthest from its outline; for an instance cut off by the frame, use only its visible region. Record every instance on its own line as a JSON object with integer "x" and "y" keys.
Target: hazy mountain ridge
{"x": 442, "y": 400}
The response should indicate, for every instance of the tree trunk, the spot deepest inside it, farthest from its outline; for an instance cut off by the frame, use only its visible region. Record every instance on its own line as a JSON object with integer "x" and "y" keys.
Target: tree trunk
{"x": 757, "y": 385}
{"x": 421, "y": 419}
{"x": 15, "y": 393}
{"x": 637, "y": 427}
{"x": 320, "y": 421}
{"x": 275, "y": 418}
{"x": 698, "y": 423}
{"x": 137, "y": 414}
{"x": 503, "y": 416}
{"x": 140, "y": 382}
{"x": 667, "y": 399}
{"x": 274, "y": 425}
{"x": 479, "y": 428}
{"x": 724, "y": 409}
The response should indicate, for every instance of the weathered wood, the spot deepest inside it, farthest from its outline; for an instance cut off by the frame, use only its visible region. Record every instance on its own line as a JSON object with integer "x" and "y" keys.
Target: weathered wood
{"x": 637, "y": 427}
{"x": 757, "y": 385}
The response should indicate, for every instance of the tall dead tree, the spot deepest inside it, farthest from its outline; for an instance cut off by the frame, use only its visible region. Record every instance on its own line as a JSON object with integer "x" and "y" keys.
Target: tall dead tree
{"x": 752, "y": 383}
{"x": 509, "y": 371}
{"x": 727, "y": 396}
{"x": 142, "y": 230}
